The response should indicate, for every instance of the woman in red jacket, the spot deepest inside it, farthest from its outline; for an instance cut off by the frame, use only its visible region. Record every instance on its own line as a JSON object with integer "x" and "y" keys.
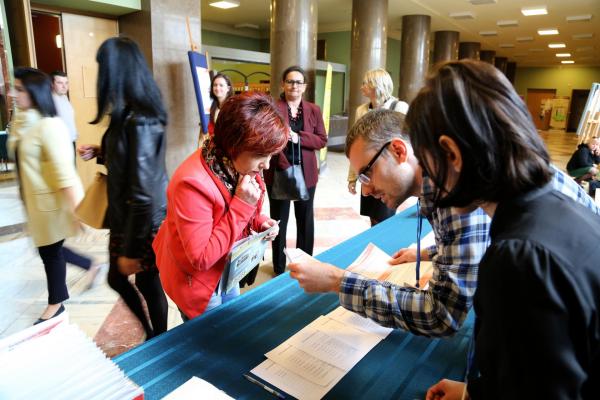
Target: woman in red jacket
{"x": 305, "y": 125}
{"x": 214, "y": 199}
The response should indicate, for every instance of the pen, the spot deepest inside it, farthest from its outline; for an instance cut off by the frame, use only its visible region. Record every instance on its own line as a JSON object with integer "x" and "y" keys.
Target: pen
{"x": 262, "y": 385}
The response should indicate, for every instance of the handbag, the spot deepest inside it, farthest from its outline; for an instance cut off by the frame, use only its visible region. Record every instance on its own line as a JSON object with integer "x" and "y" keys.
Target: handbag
{"x": 288, "y": 184}
{"x": 92, "y": 209}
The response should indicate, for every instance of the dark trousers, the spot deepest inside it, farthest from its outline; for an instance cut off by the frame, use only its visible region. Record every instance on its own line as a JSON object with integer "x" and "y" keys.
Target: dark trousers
{"x": 305, "y": 226}
{"x": 55, "y": 258}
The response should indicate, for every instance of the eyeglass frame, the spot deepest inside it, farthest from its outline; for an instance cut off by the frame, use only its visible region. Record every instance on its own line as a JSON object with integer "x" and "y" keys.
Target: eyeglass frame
{"x": 291, "y": 82}
{"x": 362, "y": 174}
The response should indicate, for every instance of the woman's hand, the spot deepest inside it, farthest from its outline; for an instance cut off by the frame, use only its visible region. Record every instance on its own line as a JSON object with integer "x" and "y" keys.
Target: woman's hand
{"x": 248, "y": 189}
{"x": 293, "y": 136}
{"x": 446, "y": 390}
{"x": 128, "y": 266}
{"x": 352, "y": 187}
{"x": 266, "y": 225}
{"x": 88, "y": 151}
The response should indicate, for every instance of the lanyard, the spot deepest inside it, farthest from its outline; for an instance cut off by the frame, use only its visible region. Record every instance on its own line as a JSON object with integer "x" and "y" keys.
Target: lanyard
{"x": 419, "y": 227}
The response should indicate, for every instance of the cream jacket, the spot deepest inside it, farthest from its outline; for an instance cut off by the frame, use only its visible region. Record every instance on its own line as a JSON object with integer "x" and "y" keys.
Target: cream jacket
{"x": 45, "y": 166}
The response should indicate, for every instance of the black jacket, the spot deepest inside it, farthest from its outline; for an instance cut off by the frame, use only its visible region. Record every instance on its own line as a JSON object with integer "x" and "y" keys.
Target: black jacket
{"x": 134, "y": 155}
{"x": 583, "y": 157}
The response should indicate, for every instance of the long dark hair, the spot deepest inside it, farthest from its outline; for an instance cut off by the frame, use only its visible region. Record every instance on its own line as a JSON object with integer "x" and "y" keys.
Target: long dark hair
{"x": 125, "y": 82}
{"x": 39, "y": 88}
{"x": 293, "y": 68}
{"x": 474, "y": 104}
{"x": 215, "y": 103}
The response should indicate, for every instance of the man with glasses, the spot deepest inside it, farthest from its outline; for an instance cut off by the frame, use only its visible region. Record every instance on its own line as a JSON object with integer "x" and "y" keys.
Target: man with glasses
{"x": 381, "y": 153}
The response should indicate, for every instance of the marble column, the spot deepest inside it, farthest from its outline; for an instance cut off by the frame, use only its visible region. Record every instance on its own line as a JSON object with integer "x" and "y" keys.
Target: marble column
{"x": 488, "y": 56}
{"x": 414, "y": 55}
{"x": 469, "y": 50}
{"x": 368, "y": 47}
{"x": 293, "y": 41}
{"x": 160, "y": 30}
{"x": 511, "y": 71}
{"x": 500, "y": 63}
{"x": 445, "y": 46}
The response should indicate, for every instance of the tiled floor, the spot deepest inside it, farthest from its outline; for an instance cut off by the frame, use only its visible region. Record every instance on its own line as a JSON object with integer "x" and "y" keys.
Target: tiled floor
{"x": 97, "y": 311}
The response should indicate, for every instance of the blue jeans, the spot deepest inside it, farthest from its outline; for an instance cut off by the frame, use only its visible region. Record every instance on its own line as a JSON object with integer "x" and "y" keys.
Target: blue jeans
{"x": 216, "y": 300}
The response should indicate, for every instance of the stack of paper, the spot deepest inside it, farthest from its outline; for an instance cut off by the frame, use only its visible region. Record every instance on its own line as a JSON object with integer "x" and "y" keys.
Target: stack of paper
{"x": 56, "y": 360}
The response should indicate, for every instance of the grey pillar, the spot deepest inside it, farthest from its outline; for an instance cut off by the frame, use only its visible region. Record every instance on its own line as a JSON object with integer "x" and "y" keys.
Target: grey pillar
{"x": 445, "y": 46}
{"x": 488, "y": 56}
{"x": 369, "y": 45}
{"x": 414, "y": 55}
{"x": 511, "y": 71}
{"x": 159, "y": 29}
{"x": 469, "y": 50}
{"x": 293, "y": 41}
{"x": 500, "y": 63}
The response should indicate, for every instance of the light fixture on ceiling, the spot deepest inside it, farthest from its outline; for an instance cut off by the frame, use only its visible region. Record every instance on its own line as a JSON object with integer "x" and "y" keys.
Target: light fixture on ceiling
{"x": 557, "y": 45}
{"x": 525, "y": 39}
{"x": 547, "y": 31}
{"x": 58, "y": 39}
{"x": 225, "y": 4}
{"x": 506, "y": 45}
{"x": 583, "y": 36}
{"x": 563, "y": 55}
{"x": 488, "y": 33}
{"x": 567, "y": 62}
{"x": 579, "y": 18}
{"x": 529, "y": 11}
{"x": 462, "y": 15}
{"x": 507, "y": 22}
{"x": 246, "y": 25}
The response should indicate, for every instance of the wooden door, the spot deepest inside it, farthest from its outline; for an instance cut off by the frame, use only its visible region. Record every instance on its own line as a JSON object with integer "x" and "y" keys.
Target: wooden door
{"x": 83, "y": 36}
{"x": 578, "y": 99}
{"x": 534, "y": 101}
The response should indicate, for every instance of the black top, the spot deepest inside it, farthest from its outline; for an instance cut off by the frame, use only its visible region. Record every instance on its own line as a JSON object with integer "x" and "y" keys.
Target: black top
{"x": 583, "y": 157}
{"x": 537, "y": 333}
{"x": 296, "y": 124}
{"x": 134, "y": 155}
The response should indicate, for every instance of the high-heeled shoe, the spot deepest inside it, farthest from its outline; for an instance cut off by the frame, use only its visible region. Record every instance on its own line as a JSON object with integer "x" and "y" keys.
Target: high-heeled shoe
{"x": 56, "y": 314}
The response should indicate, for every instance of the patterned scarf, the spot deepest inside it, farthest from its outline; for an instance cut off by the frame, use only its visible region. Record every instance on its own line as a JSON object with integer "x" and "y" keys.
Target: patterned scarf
{"x": 220, "y": 165}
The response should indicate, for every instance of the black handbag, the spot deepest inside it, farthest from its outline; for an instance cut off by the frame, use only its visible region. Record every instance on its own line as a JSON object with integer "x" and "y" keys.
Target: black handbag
{"x": 288, "y": 184}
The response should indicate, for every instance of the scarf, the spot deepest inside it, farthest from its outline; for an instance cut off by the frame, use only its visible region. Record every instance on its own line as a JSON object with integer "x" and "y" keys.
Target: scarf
{"x": 220, "y": 165}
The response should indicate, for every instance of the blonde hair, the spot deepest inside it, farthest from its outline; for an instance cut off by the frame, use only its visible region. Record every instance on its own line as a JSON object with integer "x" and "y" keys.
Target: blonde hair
{"x": 381, "y": 81}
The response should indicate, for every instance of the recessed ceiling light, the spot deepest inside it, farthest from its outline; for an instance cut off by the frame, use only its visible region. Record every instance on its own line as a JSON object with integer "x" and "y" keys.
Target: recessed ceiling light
{"x": 525, "y": 39}
{"x": 583, "y": 36}
{"x": 536, "y": 50}
{"x": 563, "y": 55}
{"x": 548, "y": 31}
{"x": 579, "y": 18}
{"x": 529, "y": 11}
{"x": 488, "y": 33}
{"x": 479, "y": 2}
{"x": 462, "y": 15}
{"x": 557, "y": 45}
{"x": 507, "y": 23}
{"x": 568, "y": 62}
{"x": 506, "y": 45}
{"x": 225, "y": 4}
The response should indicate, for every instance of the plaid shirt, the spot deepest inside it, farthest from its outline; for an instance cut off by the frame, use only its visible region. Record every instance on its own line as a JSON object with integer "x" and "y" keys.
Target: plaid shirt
{"x": 461, "y": 240}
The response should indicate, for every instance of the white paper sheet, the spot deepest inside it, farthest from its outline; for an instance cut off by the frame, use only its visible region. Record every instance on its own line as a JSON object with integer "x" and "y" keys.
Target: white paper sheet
{"x": 196, "y": 388}
{"x": 289, "y": 382}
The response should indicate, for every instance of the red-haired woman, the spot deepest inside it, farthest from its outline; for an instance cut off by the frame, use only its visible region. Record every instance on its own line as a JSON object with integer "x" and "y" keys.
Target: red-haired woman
{"x": 214, "y": 199}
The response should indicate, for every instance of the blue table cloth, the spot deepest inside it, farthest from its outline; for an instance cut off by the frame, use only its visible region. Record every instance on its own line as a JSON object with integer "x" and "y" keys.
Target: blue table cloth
{"x": 223, "y": 344}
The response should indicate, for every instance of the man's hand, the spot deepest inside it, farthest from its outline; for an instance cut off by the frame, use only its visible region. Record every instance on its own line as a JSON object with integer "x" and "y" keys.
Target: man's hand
{"x": 408, "y": 255}
{"x": 315, "y": 276}
{"x": 128, "y": 266}
{"x": 446, "y": 390}
{"x": 88, "y": 151}
{"x": 266, "y": 225}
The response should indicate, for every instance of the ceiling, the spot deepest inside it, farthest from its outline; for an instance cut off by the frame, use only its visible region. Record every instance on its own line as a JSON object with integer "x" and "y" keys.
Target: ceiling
{"x": 335, "y": 15}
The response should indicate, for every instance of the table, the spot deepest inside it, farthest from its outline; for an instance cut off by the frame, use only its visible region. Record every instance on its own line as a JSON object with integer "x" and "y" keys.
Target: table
{"x": 222, "y": 344}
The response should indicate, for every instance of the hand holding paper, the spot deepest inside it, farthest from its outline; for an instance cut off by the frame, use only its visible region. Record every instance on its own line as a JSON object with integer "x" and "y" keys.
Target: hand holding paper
{"x": 267, "y": 225}
{"x": 315, "y": 276}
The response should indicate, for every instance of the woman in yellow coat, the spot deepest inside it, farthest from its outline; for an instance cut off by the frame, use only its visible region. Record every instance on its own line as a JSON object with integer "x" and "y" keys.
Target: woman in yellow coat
{"x": 49, "y": 185}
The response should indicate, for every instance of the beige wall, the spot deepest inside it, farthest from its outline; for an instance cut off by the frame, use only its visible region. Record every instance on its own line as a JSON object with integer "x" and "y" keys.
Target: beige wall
{"x": 563, "y": 79}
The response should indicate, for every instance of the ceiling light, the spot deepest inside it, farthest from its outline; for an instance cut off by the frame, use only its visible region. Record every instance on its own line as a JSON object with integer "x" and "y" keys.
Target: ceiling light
{"x": 579, "y": 18}
{"x": 225, "y": 4}
{"x": 548, "y": 31}
{"x": 488, "y": 33}
{"x": 462, "y": 15}
{"x": 583, "y": 36}
{"x": 568, "y": 62}
{"x": 508, "y": 22}
{"x": 557, "y": 45}
{"x": 479, "y": 2}
{"x": 525, "y": 39}
{"x": 529, "y": 11}
{"x": 563, "y": 54}
{"x": 506, "y": 45}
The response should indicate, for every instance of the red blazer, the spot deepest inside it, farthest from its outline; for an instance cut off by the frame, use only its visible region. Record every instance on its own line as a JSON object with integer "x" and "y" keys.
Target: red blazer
{"x": 312, "y": 138}
{"x": 203, "y": 221}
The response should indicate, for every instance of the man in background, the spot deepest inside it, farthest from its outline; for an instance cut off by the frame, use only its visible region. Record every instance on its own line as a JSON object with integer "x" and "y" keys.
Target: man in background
{"x": 64, "y": 109}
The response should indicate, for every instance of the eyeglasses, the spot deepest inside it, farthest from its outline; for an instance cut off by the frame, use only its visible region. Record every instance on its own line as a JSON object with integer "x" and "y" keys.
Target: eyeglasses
{"x": 291, "y": 82}
{"x": 362, "y": 174}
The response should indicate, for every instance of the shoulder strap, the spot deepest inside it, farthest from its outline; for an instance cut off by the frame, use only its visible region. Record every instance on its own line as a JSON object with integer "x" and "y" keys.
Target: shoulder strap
{"x": 393, "y": 105}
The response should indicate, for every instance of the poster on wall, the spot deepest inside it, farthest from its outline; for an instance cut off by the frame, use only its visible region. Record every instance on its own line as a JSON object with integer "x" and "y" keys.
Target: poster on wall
{"x": 201, "y": 78}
